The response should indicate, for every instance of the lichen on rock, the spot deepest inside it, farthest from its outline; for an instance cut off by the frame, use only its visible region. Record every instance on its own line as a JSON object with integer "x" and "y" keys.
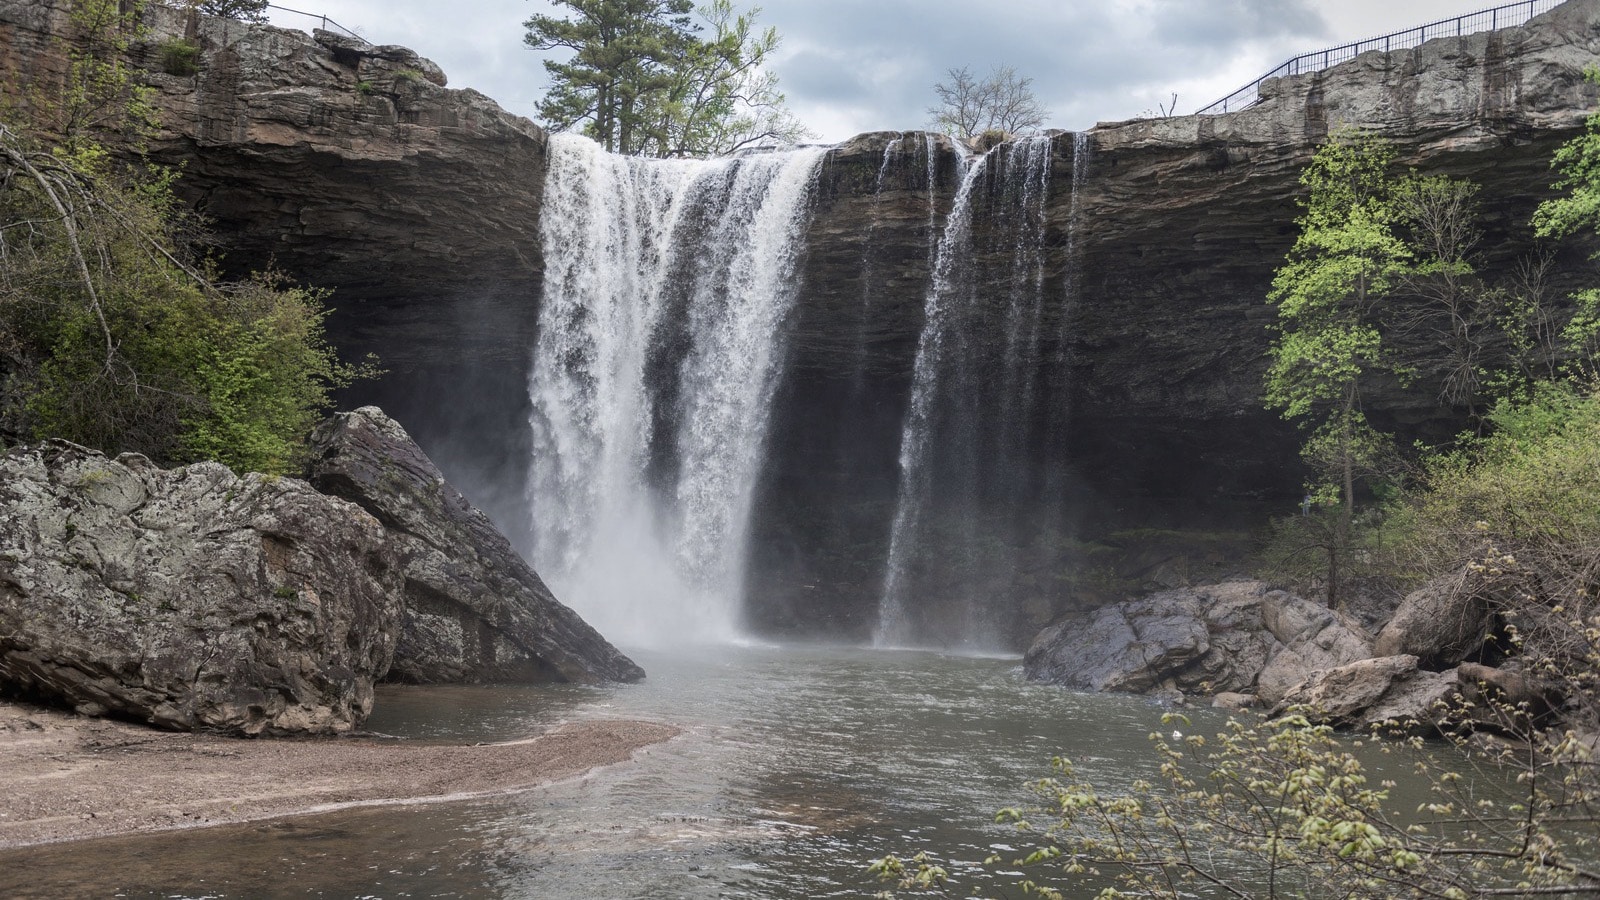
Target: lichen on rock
{"x": 190, "y": 598}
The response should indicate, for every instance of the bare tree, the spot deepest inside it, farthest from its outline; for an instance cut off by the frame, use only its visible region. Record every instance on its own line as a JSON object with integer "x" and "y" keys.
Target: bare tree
{"x": 969, "y": 106}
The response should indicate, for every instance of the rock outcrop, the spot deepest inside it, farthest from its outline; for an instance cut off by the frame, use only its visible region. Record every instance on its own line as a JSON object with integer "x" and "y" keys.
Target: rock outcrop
{"x": 1160, "y": 238}
{"x": 1309, "y": 637}
{"x": 352, "y": 167}
{"x": 190, "y": 598}
{"x": 1200, "y": 640}
{"x": 474, "y": 610}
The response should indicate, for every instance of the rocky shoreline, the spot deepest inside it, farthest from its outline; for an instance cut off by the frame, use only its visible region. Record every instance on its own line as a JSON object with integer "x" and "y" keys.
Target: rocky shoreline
{"x": 197, "y": 599}
{"x": 1442, "y": 661}
{"x": 65, "y": 777}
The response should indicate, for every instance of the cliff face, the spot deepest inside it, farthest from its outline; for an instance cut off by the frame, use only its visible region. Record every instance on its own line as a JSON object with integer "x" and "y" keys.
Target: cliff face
{"x": 352, "y": 167}
{"x": 1160, "y": 237}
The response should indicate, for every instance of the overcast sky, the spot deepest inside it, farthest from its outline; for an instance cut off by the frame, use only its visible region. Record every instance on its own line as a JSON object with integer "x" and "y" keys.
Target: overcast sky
{"x": 850, "y": 66}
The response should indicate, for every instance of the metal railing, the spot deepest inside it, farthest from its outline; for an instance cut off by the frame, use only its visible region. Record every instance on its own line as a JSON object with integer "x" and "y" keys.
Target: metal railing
{"x": 1471, "y": 23}
{"x": 320, "y": 17}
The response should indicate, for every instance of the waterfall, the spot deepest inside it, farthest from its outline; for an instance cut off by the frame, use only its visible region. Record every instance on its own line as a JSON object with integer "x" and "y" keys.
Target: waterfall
{"x": 894, "y": 627}
{"x": 969, "y": 452}
{"x": 667, "y": 284}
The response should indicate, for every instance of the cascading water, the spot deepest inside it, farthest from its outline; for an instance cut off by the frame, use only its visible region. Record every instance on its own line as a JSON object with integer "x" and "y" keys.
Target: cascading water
{"x": 970, "y": 453}
{"x": 894, "y": 626}
{"x": 666, "y": 285}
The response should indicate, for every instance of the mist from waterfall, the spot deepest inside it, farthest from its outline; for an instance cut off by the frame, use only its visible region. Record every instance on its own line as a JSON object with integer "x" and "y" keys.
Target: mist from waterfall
{"x": 660, "y": 337}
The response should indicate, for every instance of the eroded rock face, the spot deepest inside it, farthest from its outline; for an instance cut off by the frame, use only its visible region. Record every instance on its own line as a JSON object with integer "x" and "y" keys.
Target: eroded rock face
{"x": 351, "y": 167}
{"x": 1310, "y": 638}
{"x": 474, "y": 610}
{"x": 190, "y": 598}
{"x": 1342, "y": 693}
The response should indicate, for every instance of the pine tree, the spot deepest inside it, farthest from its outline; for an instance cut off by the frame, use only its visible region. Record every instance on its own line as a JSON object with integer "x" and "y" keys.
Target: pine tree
{"x": 625, "y": 53}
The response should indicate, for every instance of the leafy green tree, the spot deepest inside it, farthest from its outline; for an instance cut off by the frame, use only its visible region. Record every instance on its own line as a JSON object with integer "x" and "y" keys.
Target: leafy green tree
{"x": 246, "y": 10}
{"x": 1578, "y": 211}
{"x": 1346, "y": 260}
{"x": 641, "y": 80}
{"x": 722, "y": 99}
{"x": 243, "y": 10}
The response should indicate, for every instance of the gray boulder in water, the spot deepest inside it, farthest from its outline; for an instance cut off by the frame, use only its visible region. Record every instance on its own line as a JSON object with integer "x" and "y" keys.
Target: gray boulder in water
{"x": 475, "y": 611}
{"x": 1207, "y": 639}
{"x": 190, "y": 598}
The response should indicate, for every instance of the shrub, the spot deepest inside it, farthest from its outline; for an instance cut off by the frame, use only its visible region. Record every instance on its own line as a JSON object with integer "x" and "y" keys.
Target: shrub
{"x": 180, "y": 57}
{"x": 128, "y": 344}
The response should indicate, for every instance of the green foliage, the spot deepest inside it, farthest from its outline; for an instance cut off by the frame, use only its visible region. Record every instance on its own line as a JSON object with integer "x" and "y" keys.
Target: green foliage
{"x": 623, "y": 55}
{"x": 641, "y": 80}
{"x": 1346, "y": 260}
{"x": 115, "y": 336}
{"x": 244, "y": 10}
{"x": 1578, "y": 211}
{"x": 102, "y": 99}
{"x": 1531, "y": 488}
{"x": 247, "y": 10}
{"x": 179, "y": 57}
{"x": 1578, "y": 161}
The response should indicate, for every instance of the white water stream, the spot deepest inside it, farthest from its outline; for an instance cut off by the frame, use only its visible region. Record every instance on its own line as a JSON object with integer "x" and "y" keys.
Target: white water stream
{"x": 666, "y": 283}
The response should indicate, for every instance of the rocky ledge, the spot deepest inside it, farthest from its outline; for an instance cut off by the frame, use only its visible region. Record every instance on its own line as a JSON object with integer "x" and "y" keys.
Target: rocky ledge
{"x": 1247, "y": 645}
{"x": 474, "y": 610}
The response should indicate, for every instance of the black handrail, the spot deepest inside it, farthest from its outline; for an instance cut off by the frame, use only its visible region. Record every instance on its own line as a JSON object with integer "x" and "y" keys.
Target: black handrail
{"x": 1469, "y": 23}
{"x": 325, "y": 20}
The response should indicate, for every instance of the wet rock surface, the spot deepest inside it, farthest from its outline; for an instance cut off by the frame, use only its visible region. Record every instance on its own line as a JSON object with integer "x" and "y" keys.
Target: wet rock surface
{"x": 190, "y": 598}
{"x": 475, "y": 611}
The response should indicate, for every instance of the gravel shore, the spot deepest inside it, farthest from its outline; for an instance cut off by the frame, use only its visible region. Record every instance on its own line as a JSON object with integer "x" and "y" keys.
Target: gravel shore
{"x": 65, "y": 777}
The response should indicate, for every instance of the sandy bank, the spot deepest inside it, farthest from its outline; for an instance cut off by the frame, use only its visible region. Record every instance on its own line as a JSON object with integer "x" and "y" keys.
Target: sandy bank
{"x": 65, "y": 777}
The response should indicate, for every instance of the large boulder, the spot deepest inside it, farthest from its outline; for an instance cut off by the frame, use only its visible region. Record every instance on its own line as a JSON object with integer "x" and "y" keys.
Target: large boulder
{"x": 1443, "y": 623}
{"x": 1130, "y": 646}
{"x": 1204, "y": 639}
{"x": 190, "y": 598}
{"x": 1421, "y": 700}
{"x": 475, "y": 611}
{"x": 1312, "y": 638}
{"x": 1340, "y": 695}
{"x": 1387, "y": 691}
